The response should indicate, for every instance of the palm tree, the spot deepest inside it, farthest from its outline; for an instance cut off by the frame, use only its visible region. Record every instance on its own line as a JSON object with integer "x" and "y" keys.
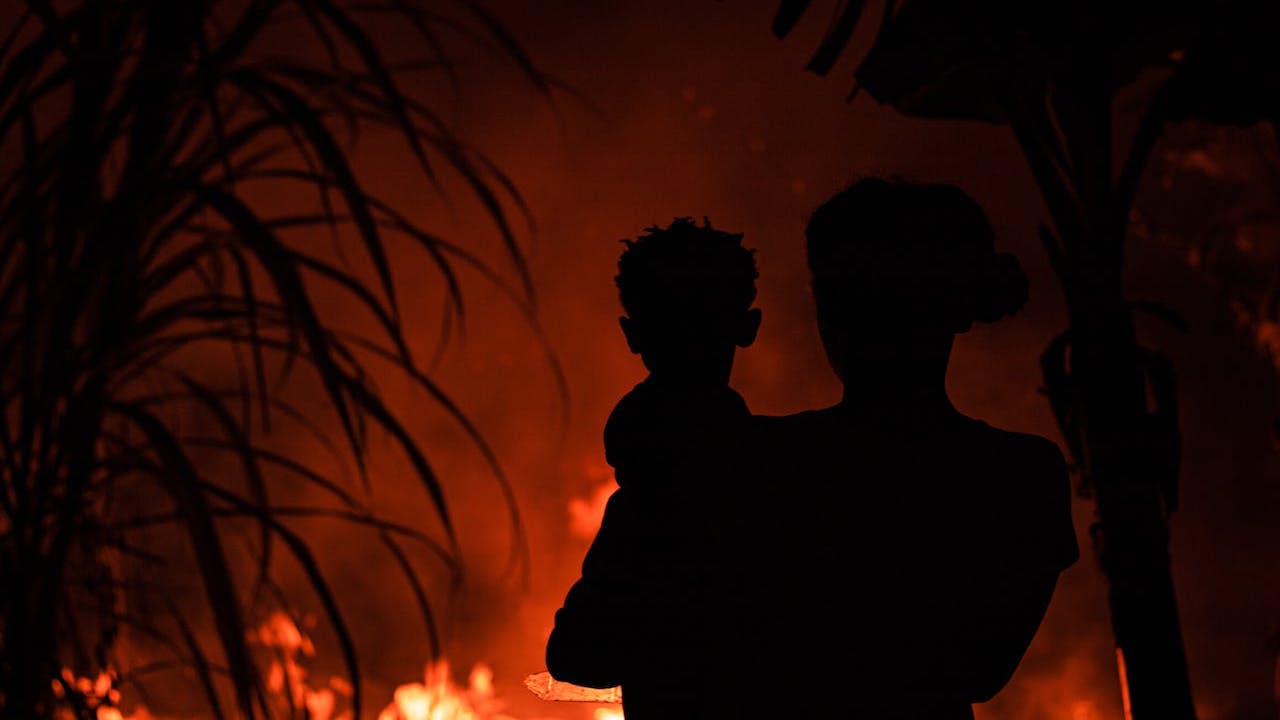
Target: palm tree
{"x": 1052, "y": 72}
{"x": 138, "y": 138}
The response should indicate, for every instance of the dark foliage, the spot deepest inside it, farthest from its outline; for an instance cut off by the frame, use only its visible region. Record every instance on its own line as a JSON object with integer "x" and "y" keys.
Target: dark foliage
{"x": 139, "y": 265}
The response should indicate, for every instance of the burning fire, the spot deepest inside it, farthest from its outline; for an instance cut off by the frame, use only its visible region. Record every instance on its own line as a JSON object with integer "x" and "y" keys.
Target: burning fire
{"x": 436, "y": 697}
{"x": 287, "y": 677}
{"x": 97, "y": 696}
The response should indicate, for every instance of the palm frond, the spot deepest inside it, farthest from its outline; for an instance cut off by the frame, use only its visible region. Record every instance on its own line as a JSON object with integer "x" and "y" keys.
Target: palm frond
{"x": 183, "y": 483}
{"x": 137, "y": 139}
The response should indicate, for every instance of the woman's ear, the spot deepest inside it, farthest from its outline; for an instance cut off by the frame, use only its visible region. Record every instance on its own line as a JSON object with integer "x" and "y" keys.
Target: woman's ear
{"x": 749, "y": 328}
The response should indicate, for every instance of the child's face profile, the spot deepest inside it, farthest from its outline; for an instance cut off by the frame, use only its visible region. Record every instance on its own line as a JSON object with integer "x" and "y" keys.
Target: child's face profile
{"x": 690, "y": 345}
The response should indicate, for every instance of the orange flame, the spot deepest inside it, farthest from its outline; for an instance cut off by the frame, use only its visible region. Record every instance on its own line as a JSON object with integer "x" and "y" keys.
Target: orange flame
{"x": 98, "y": 694}
{"x": 437, "y": 698}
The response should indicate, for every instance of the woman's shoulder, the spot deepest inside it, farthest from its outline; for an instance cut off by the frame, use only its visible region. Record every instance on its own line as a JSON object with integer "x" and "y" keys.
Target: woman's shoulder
{"x": 1013, "y": 445}
{"x": 1020, "y": 470}
{"x": 1029, "y": 485}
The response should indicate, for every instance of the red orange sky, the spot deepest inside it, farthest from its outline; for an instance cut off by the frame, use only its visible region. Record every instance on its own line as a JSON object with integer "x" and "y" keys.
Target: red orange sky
{"x": 694, "y": 108}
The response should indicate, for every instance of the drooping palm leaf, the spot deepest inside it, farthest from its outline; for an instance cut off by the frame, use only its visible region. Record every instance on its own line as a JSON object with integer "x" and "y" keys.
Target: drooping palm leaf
{"x": 136, "y": 140}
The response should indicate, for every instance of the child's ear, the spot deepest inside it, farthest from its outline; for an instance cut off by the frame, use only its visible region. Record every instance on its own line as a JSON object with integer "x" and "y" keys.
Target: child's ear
{"x": 750, "y": 327}
{"x": 630, "y": 332}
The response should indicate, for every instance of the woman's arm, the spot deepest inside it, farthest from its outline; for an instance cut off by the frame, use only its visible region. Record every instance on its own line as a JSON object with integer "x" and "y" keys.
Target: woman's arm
{"x": 587, "y": 642}
{"x": 1034, "y": 542}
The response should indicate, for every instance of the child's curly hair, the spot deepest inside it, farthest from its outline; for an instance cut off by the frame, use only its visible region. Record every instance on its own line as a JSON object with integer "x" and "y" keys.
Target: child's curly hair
{"x": 686, "y": 266}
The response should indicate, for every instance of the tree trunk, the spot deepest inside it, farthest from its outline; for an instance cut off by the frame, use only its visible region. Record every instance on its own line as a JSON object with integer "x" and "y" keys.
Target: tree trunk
{"x": 1127, "y": 449}
{"x": 1131, "y": 461}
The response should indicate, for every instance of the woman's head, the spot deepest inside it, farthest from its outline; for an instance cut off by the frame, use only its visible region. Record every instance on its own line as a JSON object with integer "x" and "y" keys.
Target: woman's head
{"x": 901, "y": 267}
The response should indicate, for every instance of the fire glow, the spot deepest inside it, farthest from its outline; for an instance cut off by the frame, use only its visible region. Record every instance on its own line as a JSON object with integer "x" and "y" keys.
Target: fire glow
{"x": 298, "y": 692}
{"x": 291, "y": 687}
{"x": 435, "y": 697}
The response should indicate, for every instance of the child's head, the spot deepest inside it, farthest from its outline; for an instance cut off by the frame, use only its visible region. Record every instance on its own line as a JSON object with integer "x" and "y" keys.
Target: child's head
{"x": 687, "y": 291}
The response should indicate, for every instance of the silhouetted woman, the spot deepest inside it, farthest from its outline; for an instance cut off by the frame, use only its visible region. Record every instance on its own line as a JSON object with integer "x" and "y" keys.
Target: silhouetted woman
{"x": 915, "y": 548}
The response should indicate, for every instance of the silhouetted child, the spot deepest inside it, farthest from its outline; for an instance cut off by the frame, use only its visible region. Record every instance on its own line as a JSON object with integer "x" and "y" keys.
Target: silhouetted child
{"x": 638, "y": 615}
{"x": 687, "y": 291}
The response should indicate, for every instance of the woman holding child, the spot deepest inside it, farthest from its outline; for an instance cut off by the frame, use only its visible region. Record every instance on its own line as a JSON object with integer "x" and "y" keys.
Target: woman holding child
{"x": 886, "y": 557}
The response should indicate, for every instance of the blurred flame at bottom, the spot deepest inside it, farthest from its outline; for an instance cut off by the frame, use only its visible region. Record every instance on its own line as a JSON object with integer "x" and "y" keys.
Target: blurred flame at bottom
{"x": 437, "y": 698}
{"x": 97, "y": 696}
{"x": 290, "y": 685}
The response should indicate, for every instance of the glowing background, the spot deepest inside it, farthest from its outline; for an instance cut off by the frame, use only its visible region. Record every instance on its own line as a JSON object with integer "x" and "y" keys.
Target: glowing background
{"x": 695, "y": 109}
